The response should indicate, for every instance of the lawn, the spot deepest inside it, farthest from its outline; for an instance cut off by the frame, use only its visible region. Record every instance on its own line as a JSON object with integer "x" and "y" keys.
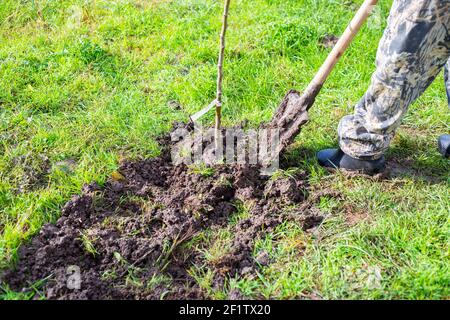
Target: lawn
{"x": 85, "y": 84}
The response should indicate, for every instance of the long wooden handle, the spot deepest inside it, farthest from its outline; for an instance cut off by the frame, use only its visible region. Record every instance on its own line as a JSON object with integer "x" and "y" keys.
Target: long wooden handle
{"x": 343, "y": 43}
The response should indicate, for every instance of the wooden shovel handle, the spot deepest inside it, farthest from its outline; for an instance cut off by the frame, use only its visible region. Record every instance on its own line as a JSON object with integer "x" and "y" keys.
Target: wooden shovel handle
{"x": 343, "y": 43}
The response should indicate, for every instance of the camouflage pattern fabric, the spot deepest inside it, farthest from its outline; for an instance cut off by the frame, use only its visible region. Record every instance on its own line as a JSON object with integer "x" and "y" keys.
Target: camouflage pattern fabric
{"x": 447, "y": 81}
{"x": 414, "y": 49}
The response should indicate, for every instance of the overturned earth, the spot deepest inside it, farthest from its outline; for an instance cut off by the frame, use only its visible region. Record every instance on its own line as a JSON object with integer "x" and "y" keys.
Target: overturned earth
{"x": 129, "y": 238}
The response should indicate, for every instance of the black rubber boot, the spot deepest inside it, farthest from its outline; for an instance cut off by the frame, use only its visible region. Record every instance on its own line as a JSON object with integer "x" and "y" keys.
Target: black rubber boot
{"x": 336, "y": 158}
{"x": 444, "y": 145}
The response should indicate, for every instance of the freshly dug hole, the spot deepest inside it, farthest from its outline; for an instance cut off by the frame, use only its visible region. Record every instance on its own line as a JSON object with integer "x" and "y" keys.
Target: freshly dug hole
{"x": 128, "y": 237}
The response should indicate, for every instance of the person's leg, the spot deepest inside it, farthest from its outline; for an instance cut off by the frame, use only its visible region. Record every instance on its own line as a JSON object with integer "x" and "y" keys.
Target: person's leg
{"x": 444, "y": 140}
{"x": 447, "y": 81}
{"x": 412, "y": 52}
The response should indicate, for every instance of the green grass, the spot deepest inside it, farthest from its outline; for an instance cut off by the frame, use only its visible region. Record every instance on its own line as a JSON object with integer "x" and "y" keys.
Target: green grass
{"x": 85, "y": 83}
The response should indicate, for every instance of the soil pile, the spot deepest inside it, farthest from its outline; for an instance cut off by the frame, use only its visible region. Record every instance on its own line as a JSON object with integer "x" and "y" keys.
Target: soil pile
{"x": 129, "y": 238}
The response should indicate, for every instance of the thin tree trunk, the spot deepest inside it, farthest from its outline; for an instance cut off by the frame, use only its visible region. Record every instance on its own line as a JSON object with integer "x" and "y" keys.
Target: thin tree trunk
{"x": 220, "y": 66}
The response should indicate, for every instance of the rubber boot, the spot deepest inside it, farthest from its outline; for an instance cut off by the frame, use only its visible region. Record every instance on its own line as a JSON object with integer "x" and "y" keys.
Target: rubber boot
{"x": 444, "y": 145}
{"x": 336, "y": 158}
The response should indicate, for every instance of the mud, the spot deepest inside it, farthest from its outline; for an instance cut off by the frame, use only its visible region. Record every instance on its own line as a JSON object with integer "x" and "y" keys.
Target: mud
{"x": 329, "y": 41}
{"x": 291, "y": 115}
{"x": 34, "y": 172}
{"x": 129, "y": 238}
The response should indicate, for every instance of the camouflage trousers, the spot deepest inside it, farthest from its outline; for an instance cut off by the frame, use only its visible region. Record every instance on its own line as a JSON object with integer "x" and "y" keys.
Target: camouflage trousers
{"x": 414, "y": 49}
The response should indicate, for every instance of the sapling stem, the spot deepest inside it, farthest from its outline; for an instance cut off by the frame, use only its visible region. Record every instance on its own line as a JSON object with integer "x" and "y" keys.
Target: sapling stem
{"x": 220, "y": 68}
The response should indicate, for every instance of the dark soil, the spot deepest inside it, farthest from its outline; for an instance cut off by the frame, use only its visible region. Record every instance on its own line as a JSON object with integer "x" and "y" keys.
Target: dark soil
{"x": 129, "y": 237}
{"x": 329, "y": 41}
{"x": 34, "y": 174}
{"x": 291, "y": 115}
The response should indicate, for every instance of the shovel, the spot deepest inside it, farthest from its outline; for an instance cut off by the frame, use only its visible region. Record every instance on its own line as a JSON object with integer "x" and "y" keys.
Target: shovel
{"x": 292, "y": 113}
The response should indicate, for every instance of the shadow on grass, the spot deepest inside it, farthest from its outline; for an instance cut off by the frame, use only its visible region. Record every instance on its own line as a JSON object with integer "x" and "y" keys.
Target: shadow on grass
{"x": 422, "y": 165}
{"x": 297, "y": 156}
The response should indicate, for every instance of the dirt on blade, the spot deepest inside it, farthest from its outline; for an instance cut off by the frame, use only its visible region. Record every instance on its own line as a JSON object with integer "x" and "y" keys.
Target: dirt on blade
{"x": 291, "y": 115}
{"x": 129, "y": 238}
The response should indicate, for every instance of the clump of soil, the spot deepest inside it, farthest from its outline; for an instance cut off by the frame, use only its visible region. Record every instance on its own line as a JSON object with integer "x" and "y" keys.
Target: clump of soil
{"x": 33, "y": 172}
{"x": 329, "y": 41}
{"x": 128, "y": 238}
{"x": 291, "y": 115}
